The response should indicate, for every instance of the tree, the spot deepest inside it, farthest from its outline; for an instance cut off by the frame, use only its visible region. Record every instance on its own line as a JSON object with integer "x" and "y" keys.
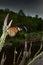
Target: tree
{"x": 21, "y": 13}
{"x": 21, "y": 18}
{"x": 36, "y": 16}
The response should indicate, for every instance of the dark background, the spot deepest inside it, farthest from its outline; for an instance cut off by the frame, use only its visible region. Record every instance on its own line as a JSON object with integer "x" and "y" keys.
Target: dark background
{"x": 30, "y": 7}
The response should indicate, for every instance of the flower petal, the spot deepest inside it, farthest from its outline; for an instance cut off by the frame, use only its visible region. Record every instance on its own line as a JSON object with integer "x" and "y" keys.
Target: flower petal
{"x": 10, "y": 23}
{"x": 6, "y": 19}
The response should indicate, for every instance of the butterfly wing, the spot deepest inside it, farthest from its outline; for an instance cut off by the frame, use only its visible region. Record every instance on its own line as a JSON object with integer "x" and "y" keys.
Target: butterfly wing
{"x": 12, "y": 31}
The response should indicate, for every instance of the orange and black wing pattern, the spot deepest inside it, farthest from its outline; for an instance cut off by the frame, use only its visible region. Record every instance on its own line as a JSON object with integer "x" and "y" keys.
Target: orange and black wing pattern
{"x": 12, "y": 31}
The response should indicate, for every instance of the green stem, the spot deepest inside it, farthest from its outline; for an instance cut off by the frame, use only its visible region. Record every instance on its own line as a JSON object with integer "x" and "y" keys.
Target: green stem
{"x": 35, "y": 58}
{"x": 2, "y": 40}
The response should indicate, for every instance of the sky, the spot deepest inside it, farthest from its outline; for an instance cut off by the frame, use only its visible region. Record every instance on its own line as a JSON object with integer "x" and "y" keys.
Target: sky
{"x": 29, "y": 7}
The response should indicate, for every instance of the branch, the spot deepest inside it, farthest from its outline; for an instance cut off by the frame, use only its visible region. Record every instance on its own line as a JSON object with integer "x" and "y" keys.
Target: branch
{"x": 3, "y": 59}
{"x": 15, "y": 52}
{"x": 35, "y": 58}
{"x": 19, "y": 56}
{"x": 39, "y": 50}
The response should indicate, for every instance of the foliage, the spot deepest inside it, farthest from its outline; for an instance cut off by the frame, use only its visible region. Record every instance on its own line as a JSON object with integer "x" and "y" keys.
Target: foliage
{"x": 33, "y": 24}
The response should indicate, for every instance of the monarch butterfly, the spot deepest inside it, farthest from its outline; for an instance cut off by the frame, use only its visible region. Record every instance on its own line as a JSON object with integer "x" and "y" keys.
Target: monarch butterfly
{"x": 13, "y": 30}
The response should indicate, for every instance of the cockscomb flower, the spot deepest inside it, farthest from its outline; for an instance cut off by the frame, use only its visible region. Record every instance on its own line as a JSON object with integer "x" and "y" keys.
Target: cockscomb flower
{"x": 7, "y": 30}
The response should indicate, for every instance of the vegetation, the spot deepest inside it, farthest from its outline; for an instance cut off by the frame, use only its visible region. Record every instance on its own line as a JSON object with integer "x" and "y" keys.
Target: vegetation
{"x": 34, "y": 25}
{"x": 34, "y": 31}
